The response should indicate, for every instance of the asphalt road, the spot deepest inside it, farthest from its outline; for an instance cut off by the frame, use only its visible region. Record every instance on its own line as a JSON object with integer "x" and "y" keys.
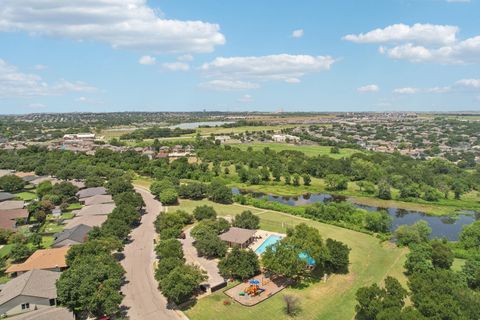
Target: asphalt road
{"x": 142, "y": 297}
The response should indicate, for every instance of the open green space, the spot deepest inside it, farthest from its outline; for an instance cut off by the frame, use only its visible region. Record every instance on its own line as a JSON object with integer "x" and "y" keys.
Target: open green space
{"x": 51, "y": 227}
{"x": 26, "y": 196}
{"x": 5, "y": 250}
{"x": 371, "y": 261}
{"x": 221, "y": 130}
{"x": 311, "y": 151}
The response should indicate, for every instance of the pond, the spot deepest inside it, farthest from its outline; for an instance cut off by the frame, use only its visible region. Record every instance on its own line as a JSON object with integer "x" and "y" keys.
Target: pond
{"x": 195, "y": 125}
{"x": 442, "y": 226}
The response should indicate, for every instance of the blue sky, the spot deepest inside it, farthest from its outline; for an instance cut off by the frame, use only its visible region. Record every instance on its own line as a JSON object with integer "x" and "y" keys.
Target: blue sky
{"x": 179, "y": 55}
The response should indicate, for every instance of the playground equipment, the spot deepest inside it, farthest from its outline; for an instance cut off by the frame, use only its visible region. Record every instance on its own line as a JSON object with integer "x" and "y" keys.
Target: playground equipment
{"x": 253, "y": 289}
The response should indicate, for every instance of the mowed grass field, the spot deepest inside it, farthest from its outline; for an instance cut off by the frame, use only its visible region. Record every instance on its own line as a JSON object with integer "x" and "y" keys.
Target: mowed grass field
{"x": 371, "y": 261}
{"x": 310, "y": 151}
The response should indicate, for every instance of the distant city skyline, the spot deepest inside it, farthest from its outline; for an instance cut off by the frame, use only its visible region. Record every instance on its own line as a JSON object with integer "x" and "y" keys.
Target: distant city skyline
{"x": 179, "y": 55}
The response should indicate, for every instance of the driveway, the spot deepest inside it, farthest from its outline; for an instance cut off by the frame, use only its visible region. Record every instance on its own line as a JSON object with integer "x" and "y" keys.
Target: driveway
{"x": 142, "y": 297}
{"x": 209, "y": 265}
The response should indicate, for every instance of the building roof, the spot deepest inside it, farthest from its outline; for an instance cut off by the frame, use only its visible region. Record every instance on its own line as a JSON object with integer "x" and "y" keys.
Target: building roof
{"x": 98, "y": 199}
{"x": 8, "y": 218}
{"x": 6, "y": 196}
{"x": 12, "y": 204}
{"x": 57, "y": 313}
{"x": 39, "y": 180}
{"x": 77, "y": 234}
{"x": 96, "y": 209}
{"x": 237, "y": 235}
{"x": 30, "y": 178}
{"x": 35, "y": 283}
{"x": 5, "y": 172}
{"x": 92, "y": 221}
{"x": 21, "y": 174}
{"x": 42, "y": 259}
{"x": 90, "y": 192}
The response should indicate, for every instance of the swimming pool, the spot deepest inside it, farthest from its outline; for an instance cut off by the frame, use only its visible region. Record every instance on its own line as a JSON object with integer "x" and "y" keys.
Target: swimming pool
{"x": 271, "y": 240}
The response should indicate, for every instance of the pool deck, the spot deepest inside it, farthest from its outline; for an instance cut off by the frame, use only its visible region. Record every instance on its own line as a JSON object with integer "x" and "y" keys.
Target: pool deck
{"x": 261, "y": 236}
{"x": 271, "y": 287}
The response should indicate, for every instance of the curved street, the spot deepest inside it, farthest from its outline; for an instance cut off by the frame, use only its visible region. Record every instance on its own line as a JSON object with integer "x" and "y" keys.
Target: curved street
{"x": 142, "y": 297}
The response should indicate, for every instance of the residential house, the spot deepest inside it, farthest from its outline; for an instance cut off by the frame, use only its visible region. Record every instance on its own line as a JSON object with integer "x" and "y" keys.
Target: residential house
{"x": 90, "y": 192}
{"x": 97, "y": 209}
{"x": 68, "y": 237}
{"x": 57, "y": 313}
{"x": 98, "y": 199}
{"x": 12, "y": 205}
{"x": 45, "y": 259}
{"x": 33, "y": 290}
{"x": 6, "y": 196}
{"x": 9, "y": 219}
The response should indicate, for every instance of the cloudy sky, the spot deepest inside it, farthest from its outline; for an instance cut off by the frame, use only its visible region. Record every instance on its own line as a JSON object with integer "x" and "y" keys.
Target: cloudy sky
{"x": 190, "y": 55}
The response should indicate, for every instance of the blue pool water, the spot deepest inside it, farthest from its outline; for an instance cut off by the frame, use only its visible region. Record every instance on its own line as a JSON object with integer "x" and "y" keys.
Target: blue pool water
{"x": 272, "y": 239}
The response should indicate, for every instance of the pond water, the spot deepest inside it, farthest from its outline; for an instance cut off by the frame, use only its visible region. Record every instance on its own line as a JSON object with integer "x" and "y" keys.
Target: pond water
{"x": 442, "y": 226}
{"x": 195, "y": 125}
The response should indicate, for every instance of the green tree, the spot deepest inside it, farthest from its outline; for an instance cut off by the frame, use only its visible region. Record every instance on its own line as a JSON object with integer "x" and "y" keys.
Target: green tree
{"x": 20, "y": 252}
{"x": 378, "y": 221}
{"x": 159, "y": 185}
{"x": 442, "y": 256}
{"x": 11, "y": 183}
{"x": 166, "y": 265}
{"x": 204, "y": 212}
{"x": 210, "y": 246}
{"x": 239, "y": 264}
{"x": 180, "y": 284}
{"x": 419, "y": 259}
{"x": 471, "y": 270}
{"x": 219, "y": 192}
{"x": 91, "y": 285}
{"x": 338, "y": 256}
{"x": 384, "y": 191}
{"x": 417, "y": 233}
{"x": 44, "y": 188}
{"x": 283, "y": 260}
{"x": 336, "y": 182}
{"x": 306, "y": 179}
{"x": 470, "y": 236}
{"x": 170, "y": 248}
{"x": 296, "y": 180}
{"x": 168, "y": 196}
{"x": 246, "y": 220}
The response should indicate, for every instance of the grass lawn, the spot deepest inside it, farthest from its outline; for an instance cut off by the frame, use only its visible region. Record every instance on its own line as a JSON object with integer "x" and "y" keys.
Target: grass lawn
{"x": 26, "y": 196}
{"x": 221, "y": 130}
{"x": 5, "y": 250}
{"x": 144, "y": 182}
{"x": 310, "y": 151}
{"x": 51, "y": 227}
{"x": 371, "y": 261}
{"x": 74, "y": 206}
{"x": 4, "y": 279}
{"x": 47, "y": 241}
{"x": 458, "y": 264}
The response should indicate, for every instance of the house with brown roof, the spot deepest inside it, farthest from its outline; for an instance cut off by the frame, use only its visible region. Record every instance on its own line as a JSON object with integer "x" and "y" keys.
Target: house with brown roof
{"x": 46, "y": 259}
{"x": 33, "y": 290}
{"x": 12, "y": 205}
{"x": 238, "y": 237}
{"x": 9, "y": 219}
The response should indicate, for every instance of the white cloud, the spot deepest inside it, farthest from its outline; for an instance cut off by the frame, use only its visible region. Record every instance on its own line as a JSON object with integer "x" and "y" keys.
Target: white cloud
{"x": 281, "y": 67}
{"x": 297, "y": 33}
{"x": 469, "y": 83}
{"x": 127, "y": 24}
{"x": 228, "y": 85}
{"x": 176, "y": 66}
{"x": 40, "y": 67}
{"x": 147, "y": 60}
{"x": 185, "y": 58}
{"x": 246, "y": 98}
{"x": 423, "y": 43}
{"x": 418, "y": 33}
{"x": 406, "y": 90}
{"x": 369, "y": 88}
{"x": 14, "y": 83}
